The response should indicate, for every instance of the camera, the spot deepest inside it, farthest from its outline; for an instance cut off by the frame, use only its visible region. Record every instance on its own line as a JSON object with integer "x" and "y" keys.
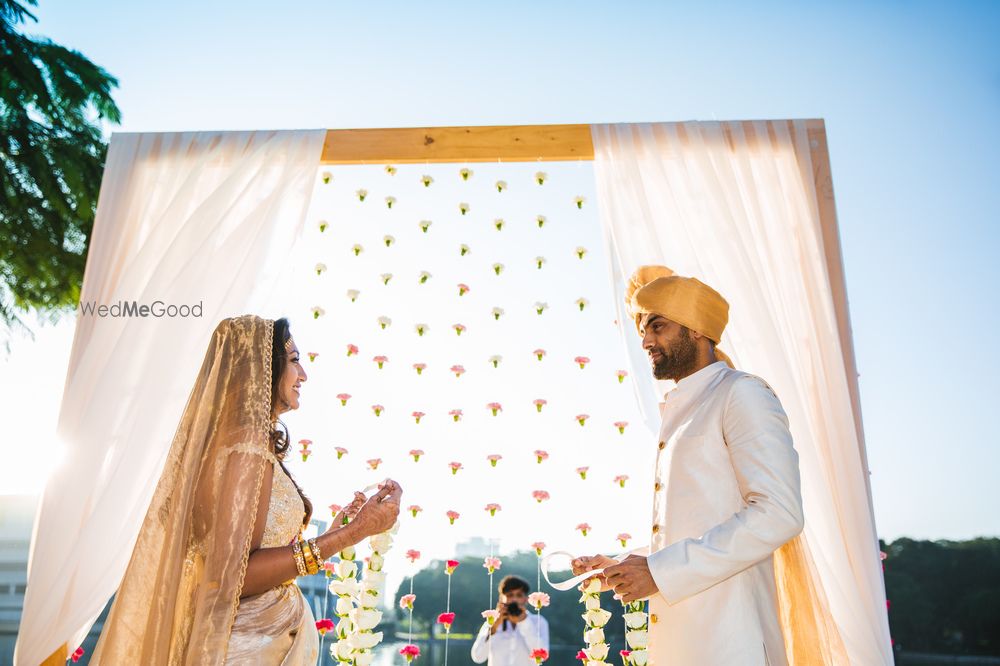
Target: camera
{"x": 513, "y": 609}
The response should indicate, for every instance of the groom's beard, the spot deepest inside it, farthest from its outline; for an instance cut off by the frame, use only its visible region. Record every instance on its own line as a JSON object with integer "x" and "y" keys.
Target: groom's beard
{"x": 679, "y": 360}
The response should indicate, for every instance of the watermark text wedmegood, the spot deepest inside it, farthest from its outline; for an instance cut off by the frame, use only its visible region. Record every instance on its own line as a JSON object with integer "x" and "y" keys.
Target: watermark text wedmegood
{"x": 135, "y": 309}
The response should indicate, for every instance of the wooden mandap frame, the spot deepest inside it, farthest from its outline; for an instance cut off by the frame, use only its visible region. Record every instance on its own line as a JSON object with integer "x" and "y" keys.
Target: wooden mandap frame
{"x": 569, "y": 143}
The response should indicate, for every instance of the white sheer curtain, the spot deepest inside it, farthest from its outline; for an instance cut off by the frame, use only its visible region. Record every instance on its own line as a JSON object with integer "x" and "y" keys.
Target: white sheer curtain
{"x": 185, "y": 218}
{"x": 735, "y": 204}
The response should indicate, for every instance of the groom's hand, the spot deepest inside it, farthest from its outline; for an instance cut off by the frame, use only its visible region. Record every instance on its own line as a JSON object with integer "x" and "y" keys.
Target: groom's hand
{"x": 631, "y": 579}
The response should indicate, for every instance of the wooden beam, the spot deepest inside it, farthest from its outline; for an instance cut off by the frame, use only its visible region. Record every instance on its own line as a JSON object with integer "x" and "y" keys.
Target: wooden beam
{"x": 506, "y": 143}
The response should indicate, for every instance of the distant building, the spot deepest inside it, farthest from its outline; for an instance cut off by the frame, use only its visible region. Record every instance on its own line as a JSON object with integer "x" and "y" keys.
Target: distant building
{"x": 476, "y": 547}
{"x": 17, "y": 515}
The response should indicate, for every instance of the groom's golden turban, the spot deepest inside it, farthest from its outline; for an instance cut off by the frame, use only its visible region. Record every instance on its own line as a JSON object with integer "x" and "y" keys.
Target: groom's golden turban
{"x": 685, "y": 300}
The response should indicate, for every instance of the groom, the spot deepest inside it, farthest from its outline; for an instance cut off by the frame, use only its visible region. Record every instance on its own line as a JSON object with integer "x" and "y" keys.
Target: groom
{"x": 726, "y": 492}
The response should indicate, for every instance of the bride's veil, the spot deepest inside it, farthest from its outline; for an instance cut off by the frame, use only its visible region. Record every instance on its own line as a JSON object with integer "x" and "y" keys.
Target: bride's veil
{"x": 177, "y": 601}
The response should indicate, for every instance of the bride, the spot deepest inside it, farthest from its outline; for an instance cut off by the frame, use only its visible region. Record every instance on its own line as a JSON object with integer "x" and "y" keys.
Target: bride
{"x": 212, "y": 576}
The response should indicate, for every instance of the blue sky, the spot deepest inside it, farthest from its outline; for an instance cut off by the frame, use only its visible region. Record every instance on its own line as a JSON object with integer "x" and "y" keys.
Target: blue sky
{"x": 910, "y": 92}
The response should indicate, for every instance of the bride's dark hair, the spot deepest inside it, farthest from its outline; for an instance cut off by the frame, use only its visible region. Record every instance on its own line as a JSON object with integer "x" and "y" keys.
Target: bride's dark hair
{"x": 279, "y": 435}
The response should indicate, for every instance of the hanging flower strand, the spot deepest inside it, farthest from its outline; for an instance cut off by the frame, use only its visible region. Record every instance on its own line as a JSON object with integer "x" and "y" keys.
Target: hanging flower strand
{"x": 410, "y": 651}
{"x": 447, "y": 618}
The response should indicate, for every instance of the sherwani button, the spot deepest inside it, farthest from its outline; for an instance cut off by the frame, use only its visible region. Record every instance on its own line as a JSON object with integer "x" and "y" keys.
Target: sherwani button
{"x": 656, "y": 528}
{"x": 653, "y": 618}
{"x": 663, "y": 445}
{"x": 657, "y": 486}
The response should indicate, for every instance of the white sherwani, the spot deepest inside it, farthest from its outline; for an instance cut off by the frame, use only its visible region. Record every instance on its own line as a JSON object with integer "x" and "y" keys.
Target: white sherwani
{"x": 726, "y": 497}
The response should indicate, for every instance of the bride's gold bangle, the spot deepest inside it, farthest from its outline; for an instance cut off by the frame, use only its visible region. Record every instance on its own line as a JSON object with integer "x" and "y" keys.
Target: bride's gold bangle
{"x": 314, "y": 546}
{"x": 311, "y": 565}
{"x": 300, "y": 563}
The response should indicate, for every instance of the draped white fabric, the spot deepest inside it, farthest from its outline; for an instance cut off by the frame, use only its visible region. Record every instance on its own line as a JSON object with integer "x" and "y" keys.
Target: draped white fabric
{"x": 735, "y": 204}
{"x": 185, "y": 218}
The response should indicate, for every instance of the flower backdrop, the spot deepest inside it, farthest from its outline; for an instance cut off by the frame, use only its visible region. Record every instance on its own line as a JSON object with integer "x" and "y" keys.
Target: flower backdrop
{"x": 459, "y": 336}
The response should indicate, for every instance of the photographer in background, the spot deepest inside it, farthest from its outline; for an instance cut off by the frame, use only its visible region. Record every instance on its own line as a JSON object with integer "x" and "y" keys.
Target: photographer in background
{"x": 516, "y": 631}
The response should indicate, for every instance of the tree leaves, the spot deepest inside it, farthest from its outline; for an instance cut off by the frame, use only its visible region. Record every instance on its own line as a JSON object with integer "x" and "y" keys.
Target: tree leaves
{"x": 54, "y": 103}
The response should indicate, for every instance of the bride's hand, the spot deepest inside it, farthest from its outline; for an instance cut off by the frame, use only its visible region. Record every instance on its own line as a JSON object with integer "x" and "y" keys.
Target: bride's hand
{"x": 349, "y": 511}
{"x": 380, "y": 512}
{"x": 585, "y": 564}
{"x": 591, "y": 563}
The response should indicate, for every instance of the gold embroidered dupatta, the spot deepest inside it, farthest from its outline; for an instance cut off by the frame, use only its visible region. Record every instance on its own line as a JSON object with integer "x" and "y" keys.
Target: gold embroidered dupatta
{"x": 178, "y": 599}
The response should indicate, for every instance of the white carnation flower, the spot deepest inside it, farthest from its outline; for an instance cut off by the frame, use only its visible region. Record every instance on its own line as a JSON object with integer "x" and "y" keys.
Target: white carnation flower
{"x": 637, "y": 639}
{"x": 380, "y": 543}
{"x": 635, "y": 620}
{"x": 597, "y": 617}
{"x": 593, "y": 636}
{"x": 344, "y": 588}
{"x": 341, "y": 651}
{"x": 344, "y": 605}
{"x": 376, "y": 578}
{"x": 345, "y": 569}
{"x": 365, "y": 641}
{"x": 597, "y": 652}
{"x": 375, "y": 562}
{"x": 365, "y": 619}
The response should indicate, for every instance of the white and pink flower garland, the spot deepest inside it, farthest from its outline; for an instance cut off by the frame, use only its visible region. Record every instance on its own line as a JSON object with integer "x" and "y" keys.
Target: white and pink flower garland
{"x": 357, "y": 601}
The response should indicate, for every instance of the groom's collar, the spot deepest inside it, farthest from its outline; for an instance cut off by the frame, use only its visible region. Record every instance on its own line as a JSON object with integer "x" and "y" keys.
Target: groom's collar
{"x": 696, "y": 380}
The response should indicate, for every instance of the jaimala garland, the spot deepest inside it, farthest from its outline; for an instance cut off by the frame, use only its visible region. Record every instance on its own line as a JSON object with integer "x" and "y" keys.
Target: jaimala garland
{"x": 357, "y": 602}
